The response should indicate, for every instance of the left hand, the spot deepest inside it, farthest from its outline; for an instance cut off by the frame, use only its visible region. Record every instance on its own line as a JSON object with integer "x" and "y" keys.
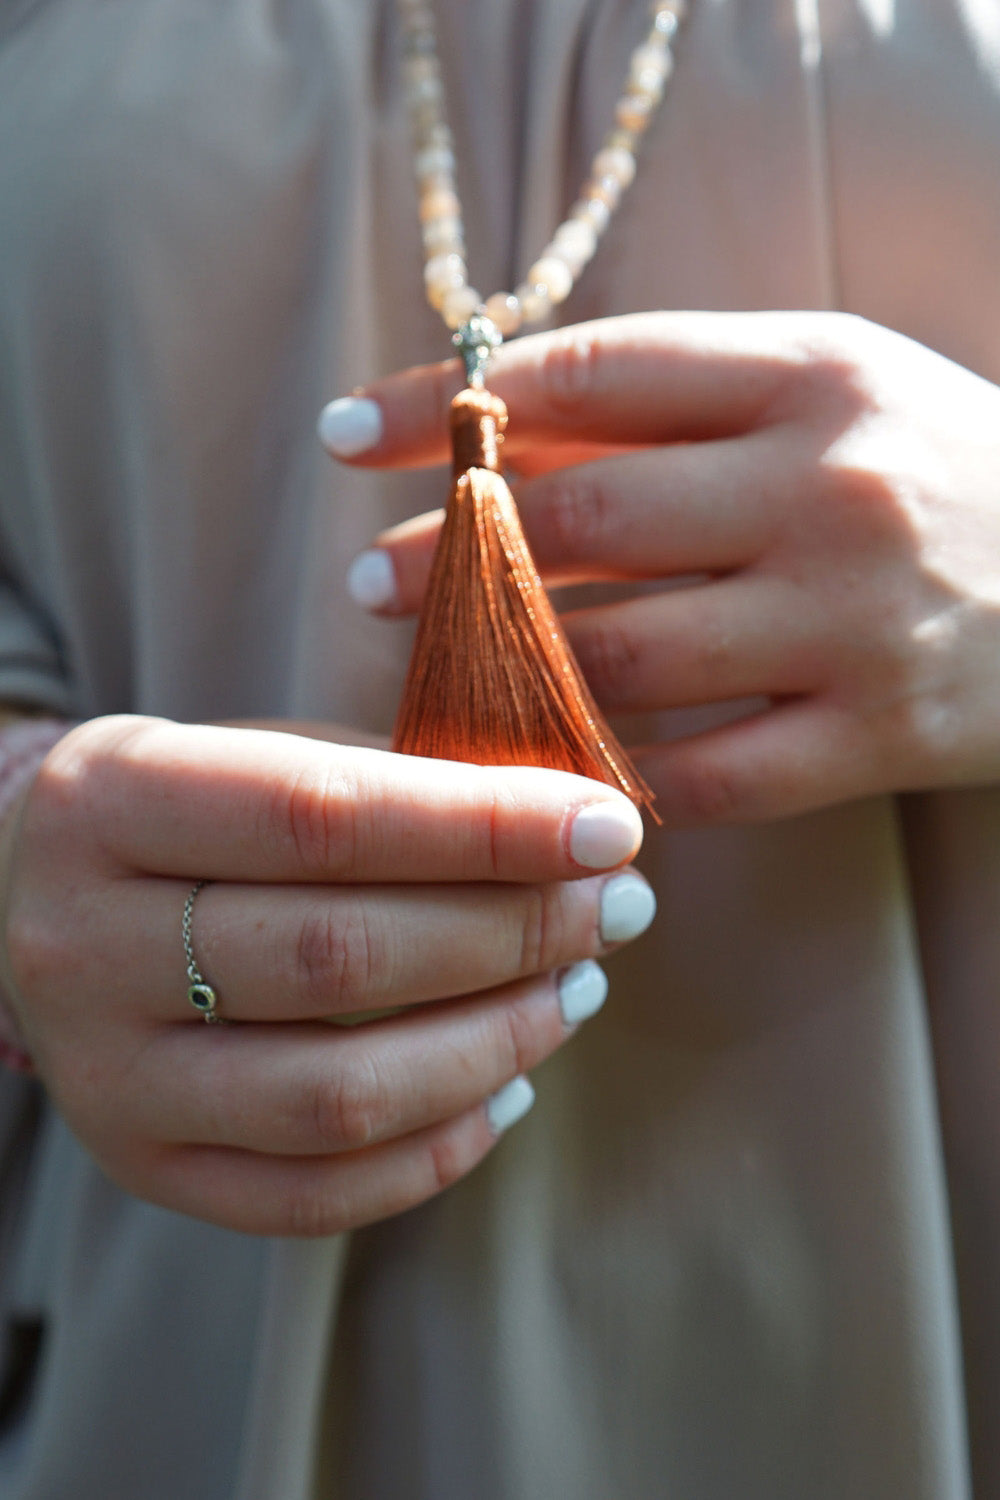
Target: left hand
{"x": 823, "y": 495}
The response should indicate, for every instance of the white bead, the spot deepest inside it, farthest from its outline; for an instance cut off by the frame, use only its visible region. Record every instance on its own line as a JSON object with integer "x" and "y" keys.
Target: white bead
{"x": 552, "y": 273}
{"x": 444, "y": 237}
{"x": 576, "y": 242}
{"x": 594, "y": 212}
{"x": 505, "y": 310}
{"x": 534, "y": 302}
{"x": 435, "y": 160}
{"x": 651, "y": 58}
{"x": 429, "y": 90}
{"x": 617, "y": 164}
{"x": 417, "y": 69}
{"x": 440, "y": 203}
{"x": 441, "y": 274}
{"x": 459, "y": 304}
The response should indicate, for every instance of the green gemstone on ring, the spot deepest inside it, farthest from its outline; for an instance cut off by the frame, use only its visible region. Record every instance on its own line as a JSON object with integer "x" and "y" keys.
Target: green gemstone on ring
{"x": 203, "y": 998}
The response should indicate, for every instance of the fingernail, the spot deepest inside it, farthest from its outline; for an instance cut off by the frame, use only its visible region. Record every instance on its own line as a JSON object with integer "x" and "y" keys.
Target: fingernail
{"x": 604, "y": 834}
{"x": 627, "y": 908}
{"x": 371, "y": 579}
{"x": 350, "y": 425}
{"x": 583, "y": 989}
{"x": 509, "y": 1104}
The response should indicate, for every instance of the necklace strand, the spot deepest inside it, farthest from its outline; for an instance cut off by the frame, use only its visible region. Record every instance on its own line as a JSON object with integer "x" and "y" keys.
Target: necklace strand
{"x": 480, "y": 325}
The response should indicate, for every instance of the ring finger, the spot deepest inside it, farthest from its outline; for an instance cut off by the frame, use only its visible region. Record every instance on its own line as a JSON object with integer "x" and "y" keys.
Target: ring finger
{"x": 321, "y": 1090}
{"x": 706, "y": 643}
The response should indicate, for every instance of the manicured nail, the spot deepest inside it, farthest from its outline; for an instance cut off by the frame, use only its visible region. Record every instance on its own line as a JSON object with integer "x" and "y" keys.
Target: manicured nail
{"x": 349, "y": 426}
{"x": 605, "y": 833}
{"x": 583, "y": 989}
{"x": 509, "y": 1104}
{"x": 627, "y": 907}
{"x": 371, "y": 579}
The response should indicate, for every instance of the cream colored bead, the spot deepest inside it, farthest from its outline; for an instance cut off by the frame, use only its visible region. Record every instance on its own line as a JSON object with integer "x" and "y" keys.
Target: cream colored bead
{"x": 433, "y": 162}
{"x": 419, "y": 68}
{"x": 429, "y": 90}
{"x": 444, "y": 237}
{"x": 633, "y": 111}
{"x": 441, "y": 274}
{"x": 505, "y": 311}
{"x": 592, "y": 211}
{"x": 651, "y": 80}
{"x": 551, "y": 272}
{"x": 440, "y": 204}
{"x": 606, "y": 190}
{"x": 459, "y": 304}
{"x": 617, "y": 164}
{"x": 576, "y": 242}
{"x": 534, "y": 300}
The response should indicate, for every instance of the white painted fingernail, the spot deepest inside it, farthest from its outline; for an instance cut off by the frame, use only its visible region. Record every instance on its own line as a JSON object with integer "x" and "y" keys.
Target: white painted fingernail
{"x": 627, "y": 907}
{"x": 509, "y": 1104}
{"x": 371, "y": 579}
{"x": 583, "y": 989}
{"x": 605, "y": 833}
{"x": 350, "y": 425}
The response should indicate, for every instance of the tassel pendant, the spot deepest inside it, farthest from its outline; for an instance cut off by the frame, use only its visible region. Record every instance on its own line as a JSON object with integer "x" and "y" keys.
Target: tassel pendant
{"x": 492, "y": 679}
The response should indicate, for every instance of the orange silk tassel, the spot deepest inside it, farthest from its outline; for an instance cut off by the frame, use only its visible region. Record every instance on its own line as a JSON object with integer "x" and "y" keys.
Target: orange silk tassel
{"x": 492, "y": 678}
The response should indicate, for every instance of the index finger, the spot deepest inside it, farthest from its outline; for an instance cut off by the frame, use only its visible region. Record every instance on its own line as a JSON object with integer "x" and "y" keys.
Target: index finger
{"x": 254, "y": 805}
{"x": 644, "y": 378}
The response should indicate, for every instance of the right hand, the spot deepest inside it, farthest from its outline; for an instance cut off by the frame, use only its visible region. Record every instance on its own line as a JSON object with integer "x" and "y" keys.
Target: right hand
{"x": 342, "y": 880}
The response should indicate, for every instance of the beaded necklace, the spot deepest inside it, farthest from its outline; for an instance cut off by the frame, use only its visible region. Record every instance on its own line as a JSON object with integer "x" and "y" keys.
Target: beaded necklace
{"x": 492, "y": 678}
{"x": 479, "y": 326}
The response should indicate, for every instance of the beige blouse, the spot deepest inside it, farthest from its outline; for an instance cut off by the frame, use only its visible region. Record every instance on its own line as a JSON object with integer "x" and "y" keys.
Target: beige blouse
{"x": 747, "y": 1243}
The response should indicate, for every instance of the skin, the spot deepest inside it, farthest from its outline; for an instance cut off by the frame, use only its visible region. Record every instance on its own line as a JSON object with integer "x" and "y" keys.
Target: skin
{"x": 344, "y": 879}
{"x": 823, "y": 498}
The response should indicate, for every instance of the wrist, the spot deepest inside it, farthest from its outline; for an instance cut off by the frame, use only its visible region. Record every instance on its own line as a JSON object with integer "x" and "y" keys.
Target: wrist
{"x": 24, "y": 744}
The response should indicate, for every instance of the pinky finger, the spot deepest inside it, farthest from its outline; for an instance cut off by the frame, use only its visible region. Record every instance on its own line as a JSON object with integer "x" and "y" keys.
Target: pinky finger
{"x": 306, "y": 1197}
{"x": 789, "y": 759}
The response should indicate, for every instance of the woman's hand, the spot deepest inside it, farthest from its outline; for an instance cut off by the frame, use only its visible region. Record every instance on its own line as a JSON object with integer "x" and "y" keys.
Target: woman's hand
{"x": 824, "y": 498}
{"x": 342, "y": 880}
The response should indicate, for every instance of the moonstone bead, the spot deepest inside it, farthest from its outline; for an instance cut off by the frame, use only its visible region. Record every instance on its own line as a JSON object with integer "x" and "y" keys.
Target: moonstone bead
{"x": 592, "y": 211}
{"x": 434, "y": 161}
{"x": 551, "y": 272}
{"x": 458, "y": 305}
{"x": 633, "y": 111}
{"x": 576, "y": 242}
{"x": 505, "y": 311}
{"x": 442, "y": 203}
{"x": 441, "y": 274}
{"x": 444, "y": 237}
{"x": 535, "y": 301}
{"x": 418, "y": 69}
{"x": 615, "y": 163}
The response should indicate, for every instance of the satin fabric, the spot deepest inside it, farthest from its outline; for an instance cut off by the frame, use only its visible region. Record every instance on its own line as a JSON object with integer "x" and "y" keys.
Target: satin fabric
{"x": 746, "y": 1243}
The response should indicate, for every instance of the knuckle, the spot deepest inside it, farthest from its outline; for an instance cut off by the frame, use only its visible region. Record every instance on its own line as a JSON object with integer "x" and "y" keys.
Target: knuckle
{"x": 38, "y": 951}
{"x": 335, "y": 957}
{"x": 581, "y": 514}
{"x": 569, "y": 371}
{"x": 313, "y": 1209}
{"x": 710, "y": 793}
{"x": 541, "y": 929}
{"x": 313, "y": 816}
{"x": 519, "y": 1039}
{"x": 449, "y": 1159}
{"x": 347, "y": 1109}
{"x": 611, "y": 659}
